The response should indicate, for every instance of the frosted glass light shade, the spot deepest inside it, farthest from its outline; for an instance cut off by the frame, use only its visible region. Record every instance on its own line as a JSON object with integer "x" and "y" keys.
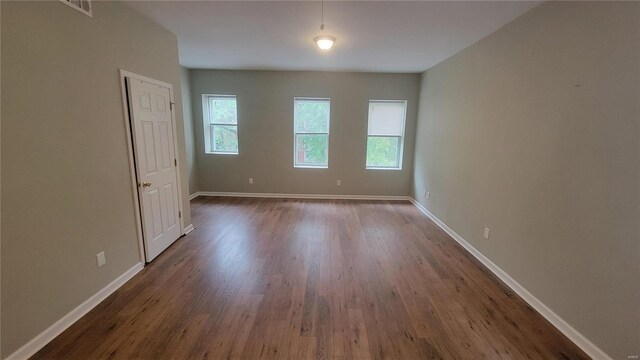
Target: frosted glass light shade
{"x": 325, "y": 42}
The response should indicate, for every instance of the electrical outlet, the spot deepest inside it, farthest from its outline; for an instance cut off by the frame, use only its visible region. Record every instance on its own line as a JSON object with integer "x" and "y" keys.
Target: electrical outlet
{"x": 428, "y": 194}
{"x": 339, "y": 182}
{"x": 250, "y": 180}
{"x": 486, "y": 233}
{"x": 101, "y": 259}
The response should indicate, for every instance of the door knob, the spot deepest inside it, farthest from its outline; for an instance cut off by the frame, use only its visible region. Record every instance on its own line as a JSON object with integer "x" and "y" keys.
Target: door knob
{"x": 146, "y": 184}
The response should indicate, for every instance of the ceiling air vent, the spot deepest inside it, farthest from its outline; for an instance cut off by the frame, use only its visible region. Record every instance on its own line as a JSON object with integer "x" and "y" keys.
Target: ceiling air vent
{"x": 84, "y": 6}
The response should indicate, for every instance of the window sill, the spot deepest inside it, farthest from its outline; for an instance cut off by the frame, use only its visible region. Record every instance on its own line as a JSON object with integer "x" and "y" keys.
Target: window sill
{"x": 221, "y": 153}
{"x": 383, "y": 168}
{"x": 311, "y": 166}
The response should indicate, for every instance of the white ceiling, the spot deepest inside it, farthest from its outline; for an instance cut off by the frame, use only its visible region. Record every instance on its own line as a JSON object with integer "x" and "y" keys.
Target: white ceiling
{"x": 376, "y": 36}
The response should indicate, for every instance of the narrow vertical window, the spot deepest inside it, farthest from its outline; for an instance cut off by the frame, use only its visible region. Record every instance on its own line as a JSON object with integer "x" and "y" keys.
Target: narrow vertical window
{"x": 311, "y": 132}
{"x": 385, "y": 134}
{"x": 220, "y": 124}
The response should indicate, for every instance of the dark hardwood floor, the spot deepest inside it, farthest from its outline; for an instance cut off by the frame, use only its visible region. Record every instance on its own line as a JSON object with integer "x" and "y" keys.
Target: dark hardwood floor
{"x": 304, "y": 279}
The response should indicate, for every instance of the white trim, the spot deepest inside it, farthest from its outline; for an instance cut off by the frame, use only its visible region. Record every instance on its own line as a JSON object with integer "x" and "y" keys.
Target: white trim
{"x": 580, "y": 340}
{"x": 194, "y": 195}
{"x": 311, "y": 166}
{"x": 176, "y": 153}
{"x": 302, "y": 196}
{"x": 296, "y": 164}
{"x": 400, "y": 145}
{"x": 208, "y": 125}
{"x": 123, "y": 74}
{"x": 38, "y": 342}
{"x": 384, "y": 168}
{"x": 188, "y": 229}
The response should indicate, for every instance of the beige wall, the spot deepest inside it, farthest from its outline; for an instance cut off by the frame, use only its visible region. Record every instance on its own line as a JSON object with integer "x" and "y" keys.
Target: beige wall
{"x": 66, "y": 187}
{"x": 265, "y": 116}
{"x": 185, "y": 82}
{"x": 534, "y": 132}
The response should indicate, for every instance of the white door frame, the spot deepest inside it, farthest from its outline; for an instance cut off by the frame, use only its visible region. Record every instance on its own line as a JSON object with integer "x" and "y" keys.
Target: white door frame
{"x": 130, "y": 151}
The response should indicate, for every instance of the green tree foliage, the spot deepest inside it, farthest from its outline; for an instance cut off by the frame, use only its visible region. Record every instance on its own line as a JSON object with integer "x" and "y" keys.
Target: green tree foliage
{"x": 225, "y": 138}
{"x": 314, "y": 147}
{"x": 312, "y": 117}
{"x": 224, "y": 111}
{"x": 382, "y": 151}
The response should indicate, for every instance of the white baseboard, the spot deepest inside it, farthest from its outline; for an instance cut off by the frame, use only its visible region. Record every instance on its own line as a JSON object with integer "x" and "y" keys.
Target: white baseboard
{"x": 194, "y": 195}
{"x": 188, "y": 229}
{"x": 580, "y": 340}
{"x": 302, "y": 196}
{"x": 61, "y": 325}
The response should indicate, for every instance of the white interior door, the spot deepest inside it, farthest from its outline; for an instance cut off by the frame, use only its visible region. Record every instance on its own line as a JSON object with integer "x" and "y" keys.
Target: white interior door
{"x": 156, "y": 165}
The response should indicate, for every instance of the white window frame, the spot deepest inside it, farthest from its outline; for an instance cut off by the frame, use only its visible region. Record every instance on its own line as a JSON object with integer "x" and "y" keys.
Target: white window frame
{"x": 296, "y": 133}
{"x": 208, "y": 126}
{"x": 400, "y": 142}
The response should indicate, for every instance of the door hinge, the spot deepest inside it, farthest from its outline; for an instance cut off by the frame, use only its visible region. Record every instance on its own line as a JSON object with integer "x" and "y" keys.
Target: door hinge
{"x": 175, "y": 162}
{"x": 171, "y": 105}
{"x": 179, "y": 214}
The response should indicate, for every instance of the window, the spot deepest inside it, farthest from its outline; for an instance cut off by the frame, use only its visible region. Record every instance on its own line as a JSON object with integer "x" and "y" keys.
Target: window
{"x": 385, "y": 134}
{"x": 311, "y": 133}
{"x": 220, "y": 114}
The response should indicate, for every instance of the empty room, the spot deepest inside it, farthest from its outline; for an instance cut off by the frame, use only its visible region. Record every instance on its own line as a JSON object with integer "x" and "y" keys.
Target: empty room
{"x": 319, "y": 180}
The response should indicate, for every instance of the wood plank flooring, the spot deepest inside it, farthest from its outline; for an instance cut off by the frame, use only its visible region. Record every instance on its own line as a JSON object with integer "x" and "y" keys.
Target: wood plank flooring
{"x": 312, "y": 279}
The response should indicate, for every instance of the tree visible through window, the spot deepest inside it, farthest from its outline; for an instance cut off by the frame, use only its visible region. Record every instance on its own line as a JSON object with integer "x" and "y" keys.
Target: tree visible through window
{"x": 385, "y": 134}
{"x": 311, "y": 128}
{"x": 222, "y": 124}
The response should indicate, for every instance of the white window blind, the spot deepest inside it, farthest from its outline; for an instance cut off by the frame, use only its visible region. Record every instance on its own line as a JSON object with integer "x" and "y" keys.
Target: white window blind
{"x": 386, "y": 118}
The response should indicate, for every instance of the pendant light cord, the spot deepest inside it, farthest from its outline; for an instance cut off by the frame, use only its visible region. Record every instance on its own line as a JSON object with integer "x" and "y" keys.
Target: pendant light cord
{"x": 322, "y": 18}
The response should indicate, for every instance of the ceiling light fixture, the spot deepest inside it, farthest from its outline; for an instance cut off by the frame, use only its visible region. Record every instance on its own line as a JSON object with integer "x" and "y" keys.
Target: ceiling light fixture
{"x": 325, "y": 42}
